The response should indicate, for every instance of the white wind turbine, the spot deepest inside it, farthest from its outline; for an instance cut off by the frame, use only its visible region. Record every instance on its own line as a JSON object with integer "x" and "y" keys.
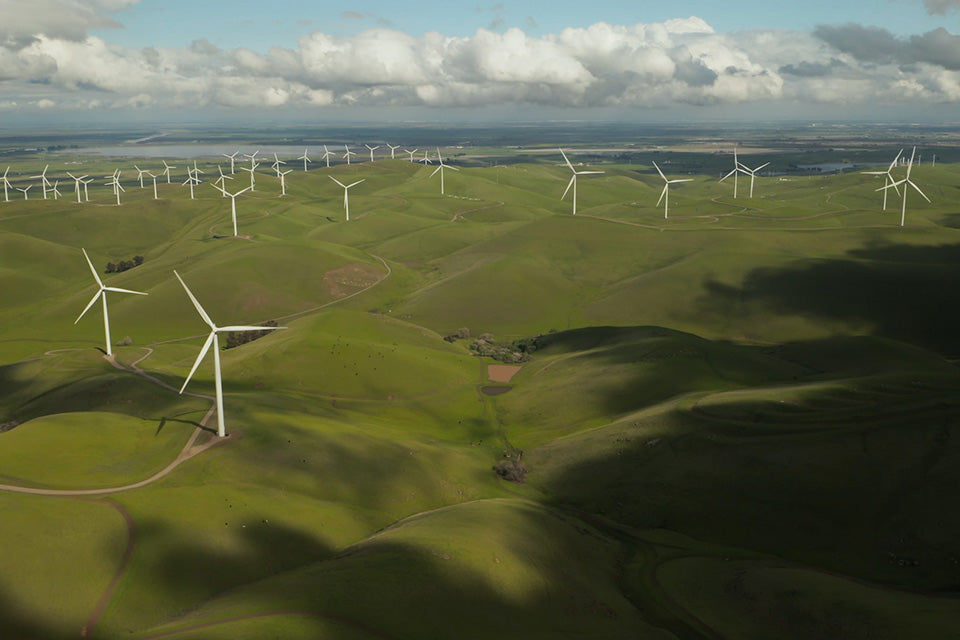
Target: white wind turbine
{"x": 906, "y": 182}
{"x": 412, "y": 159}
{"x": 155, "y": 196}
{"x": 440, "y": 168}
{"x": 102, "y": 293}
{"x": 140, "y": 173}
{"x": 346, "y": 193}
{"x": 76, "y": 183}
{"x": 115, "y": 183}
{"x": 737, "y": 169}
{"x": 665, "y": 194}
{"x": 56, "y": 190}
{"x": 192, "y": 179}
{"x": 326, "y": 155}
{"x": 283, "y": 181}
{"x": 276, "y": 163}
{"x": 86, "y": 193}
{"x": 253, "y": 175}
{"x": 26, "y": 196}
{"x": 888, "y": 179}
{"x": 573, "y": 181}
{"x": 6, "y": 185}
{"x": 371, "y": 150}
{"x": 213, "y": 339}
{"x": 305, "y": 159}
{"x": 393, "y": 150}
{"x": 222, "y": 179}
{"x": 166, "y": 170}
{"x": 426, "y": 159}
{"x": 233, "y": 203}
{"x": 43, "y": 181}
{"x": 233, "y": 157}
{"x": 348, "y": 153}
{"x": 752, "y": 173}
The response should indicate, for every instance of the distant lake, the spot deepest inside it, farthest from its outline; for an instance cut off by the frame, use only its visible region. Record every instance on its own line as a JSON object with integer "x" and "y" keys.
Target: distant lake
{"x": 215, "y": 151}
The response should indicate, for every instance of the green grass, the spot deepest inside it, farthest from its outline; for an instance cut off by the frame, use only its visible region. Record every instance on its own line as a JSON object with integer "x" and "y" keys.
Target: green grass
{"x": 770, "y": 380}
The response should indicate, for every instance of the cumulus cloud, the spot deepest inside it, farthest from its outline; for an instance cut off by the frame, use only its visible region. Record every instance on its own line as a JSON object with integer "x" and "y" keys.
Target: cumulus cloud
{"x": 681, "y": 61}
{"x": 64, "y": 19}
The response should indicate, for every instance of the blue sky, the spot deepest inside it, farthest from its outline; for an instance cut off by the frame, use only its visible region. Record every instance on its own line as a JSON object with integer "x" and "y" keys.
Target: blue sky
{"x": 259, "y": 25}
{"x": 174, "y": 59}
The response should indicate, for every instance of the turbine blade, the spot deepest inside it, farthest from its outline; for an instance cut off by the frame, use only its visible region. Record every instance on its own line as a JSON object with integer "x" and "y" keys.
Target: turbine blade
{"x": 355, "y": 183}
{"x": 435, "y": 171}
{"x": 918, "y": 190}
{"x": 660, "y": 172}
{"x": 119, "y": 290}
{"x": 569, "y": 184}
{"x": 203, "y": 352}
{"x": 663, "y": 193}
{"x": 96, "y": 296}
{"x": 92, "y": 270}
{"x": 567, "y": 161}
{"x": 203, "y": 314}
{"x": 247, "y": 328}
{"x": 338, "y": 182}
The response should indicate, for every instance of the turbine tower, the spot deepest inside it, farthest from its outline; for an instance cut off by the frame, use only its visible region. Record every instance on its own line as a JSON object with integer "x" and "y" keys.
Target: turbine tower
{"x": 283, "y": 181}
{"x": 326, "y": 155}
{"x": 888, "y": 179}
{"x": 737, "y": 169}
{"x": 26, "y": 196}
{"x": 752, "y": 173}
{"x": 233, "y": 157}
{"x": 6, "y": 185}
{"x": 440, "y": 168}
{"x": 665, "y": 194}
{"x": 233, "y": 204}
{"x": 371, "y": 150}
{"x": 393, "y": 150}
{"x": 102, "y": 293}
{"x": 346, "y": 193}
{"x": 573, "y": 181}
{"x": 348, "y": 153}
{"x": 166, "y": 170}
{"x": 305, "y": 159}
{"x": 213, "y": 339}
{"x": 907, "y": 182}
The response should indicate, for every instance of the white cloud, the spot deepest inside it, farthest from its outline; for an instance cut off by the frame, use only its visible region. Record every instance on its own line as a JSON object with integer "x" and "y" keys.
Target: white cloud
{"x": 678, "y": 62}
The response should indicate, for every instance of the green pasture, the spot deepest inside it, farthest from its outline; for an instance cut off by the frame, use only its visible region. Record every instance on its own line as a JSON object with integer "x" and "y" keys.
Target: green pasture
{"x": 735, "y": 422}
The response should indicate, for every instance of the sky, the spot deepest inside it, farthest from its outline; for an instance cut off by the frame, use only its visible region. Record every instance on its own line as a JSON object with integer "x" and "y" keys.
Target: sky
{"x": 373, "y": 60}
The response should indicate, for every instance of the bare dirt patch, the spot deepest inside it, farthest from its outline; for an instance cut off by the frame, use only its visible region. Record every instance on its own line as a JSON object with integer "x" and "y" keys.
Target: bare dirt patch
{"x": 502, "y": 372}
{"x": 349, "y": 279}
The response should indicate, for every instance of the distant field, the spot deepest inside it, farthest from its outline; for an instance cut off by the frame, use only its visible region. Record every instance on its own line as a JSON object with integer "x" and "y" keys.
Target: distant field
{"x": 735, "y": 421}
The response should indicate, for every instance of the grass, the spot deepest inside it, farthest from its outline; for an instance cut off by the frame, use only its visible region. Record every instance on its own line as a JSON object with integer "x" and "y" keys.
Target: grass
{"x": 769, "y": 380}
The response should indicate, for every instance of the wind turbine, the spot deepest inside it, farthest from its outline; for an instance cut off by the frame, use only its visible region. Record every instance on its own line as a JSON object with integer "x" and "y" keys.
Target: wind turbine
{"x": 232, "y": 157}
{"x": 233, "y": 204}
{"x": 906, "y": 182}
{"x": 102, "y": 293}
{"x": 283, "y": 181}
{"x": 426, "y": 159}
{"x": 86, "y": 193}
{"x": 26, "y": 196}
{"x": 752, "y": 173}
{"x": 412, "y": 159}
{"x": 305, "y": 159}
{"x": 222, "y": 179}
{"x": 140, "y": 173}
{"x": 573, "y": 181}
{"x": 346, "y": 193}
{"x": 213, "y": 339}
{"x": 737, "y": 169}
{"x": 348, "y": 153}
{"x": 276, "y": 163}
{"x": 6, "y": 185}
{"x": 117, "y": 187}
{"x": 665, "y": 194}
{"x": 888, "y": 179}
{"x": 43, "y": 180}
{"x": 393, "y": 150}
{"x": 440, "y": 168}
{"x": 192, "y": 179}
{"x": 253, "y": 179}
{"x": 371, "y": 150}
{"x": 155, "y": 197}
{"x": 76, "y": 183}
{"x": 326, "y": 155}
{"x": 56, "y": 190}
{"x": 166, "y": 170}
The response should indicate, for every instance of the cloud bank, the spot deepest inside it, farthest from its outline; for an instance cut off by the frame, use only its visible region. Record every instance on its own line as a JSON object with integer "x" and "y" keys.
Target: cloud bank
{"x": 49, "y": 57}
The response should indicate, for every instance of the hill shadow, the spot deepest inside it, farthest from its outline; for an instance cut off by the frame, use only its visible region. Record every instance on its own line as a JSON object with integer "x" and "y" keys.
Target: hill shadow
{"x": 903, "y": 292}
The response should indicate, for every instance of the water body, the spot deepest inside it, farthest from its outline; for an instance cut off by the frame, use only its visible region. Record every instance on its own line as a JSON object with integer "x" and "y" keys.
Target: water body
{"x": 827, "y": 167}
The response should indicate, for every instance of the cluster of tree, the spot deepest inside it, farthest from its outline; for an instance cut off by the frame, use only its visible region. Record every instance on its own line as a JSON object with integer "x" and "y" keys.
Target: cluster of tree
{"x": 124, "y": 265}
{"x": 512, "y": 352}
{"x": 237, "y": 338}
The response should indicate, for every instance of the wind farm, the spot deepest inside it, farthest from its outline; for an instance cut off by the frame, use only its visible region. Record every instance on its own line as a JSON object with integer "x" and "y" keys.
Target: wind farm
{"x": 490, "y": 411}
